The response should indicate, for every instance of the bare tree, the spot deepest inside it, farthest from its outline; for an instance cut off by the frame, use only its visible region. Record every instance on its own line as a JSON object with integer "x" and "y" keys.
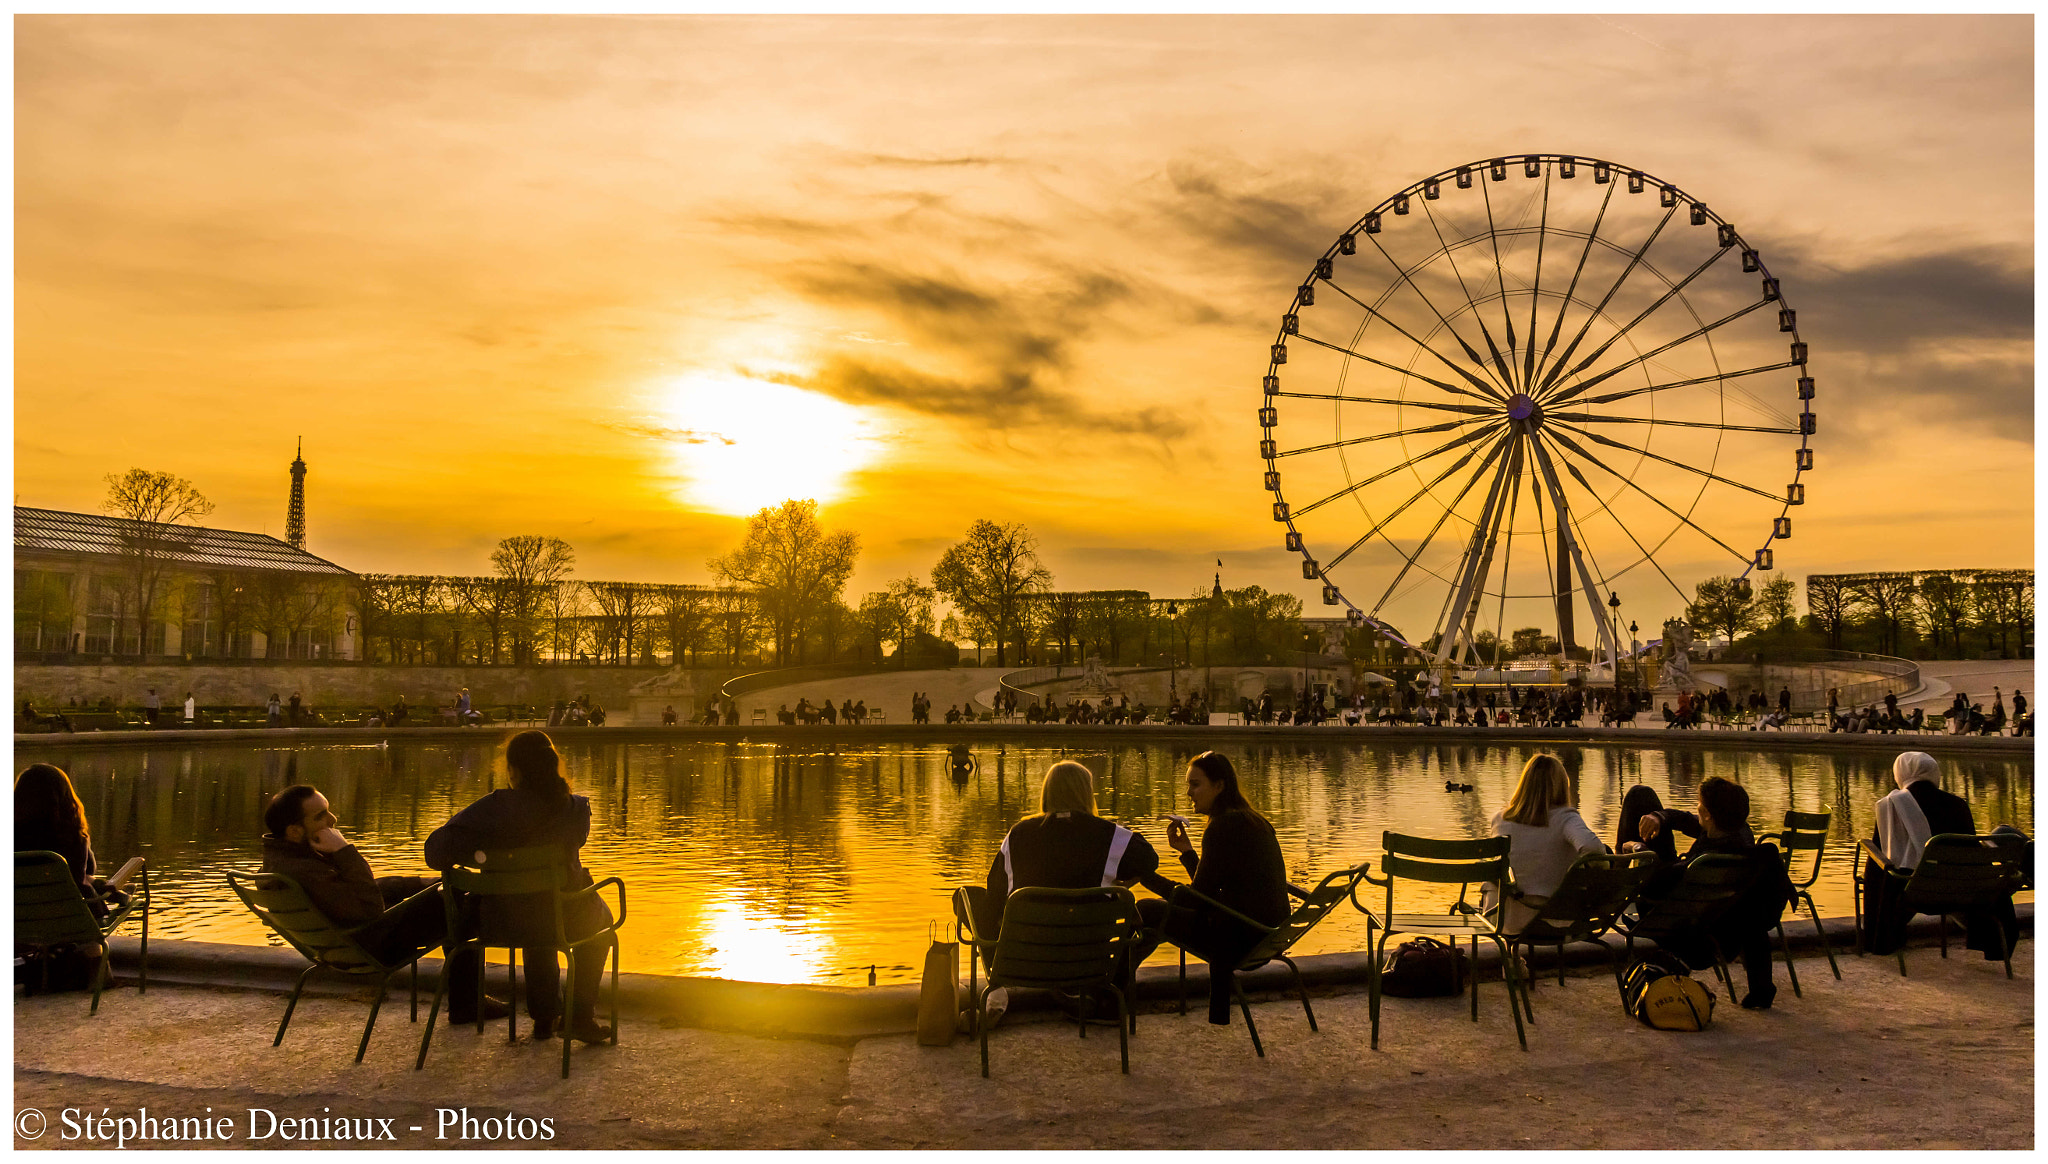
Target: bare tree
{"x": 530, "y": 565}
{"x": 685, "y": 613}
{"x": 1829, "y": 603}
{"x": 1945, "y": 604}
{"x": 794, "y": 566}
{"x": 1063, "y": 611}
{"x": 150, "y": 506}
{"x": 991, "y": 576}
{"x": 912, "y": 603}
{"x": 1889, "y": 599}
{"x": 1774, "y": 603}
{"x": 877, "y": 618}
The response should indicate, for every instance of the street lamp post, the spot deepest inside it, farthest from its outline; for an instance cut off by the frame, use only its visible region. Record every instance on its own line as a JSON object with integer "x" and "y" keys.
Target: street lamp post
{"x": 1172, "y": 664}
{"x": 1614, "y": 625}
{"x": 1635, "y": 653}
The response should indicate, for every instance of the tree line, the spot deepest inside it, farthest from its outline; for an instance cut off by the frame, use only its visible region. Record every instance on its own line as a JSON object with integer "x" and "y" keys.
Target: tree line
{"x": 1915, "y": 613}
{"x": 780, "y": 599}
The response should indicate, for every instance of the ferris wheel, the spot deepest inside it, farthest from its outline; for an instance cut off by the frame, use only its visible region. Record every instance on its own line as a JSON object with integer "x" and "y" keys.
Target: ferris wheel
{"x": 1519, "y": 387}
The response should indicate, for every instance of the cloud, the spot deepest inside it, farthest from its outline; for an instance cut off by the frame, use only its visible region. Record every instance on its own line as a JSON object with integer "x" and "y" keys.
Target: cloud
{"x": 686, "y": 436}
{"x": 1945, "y": 335}
{"x": 1279, "y": 225}
{"x": 1014, "y": 344}
{"x": 899, "y": 160}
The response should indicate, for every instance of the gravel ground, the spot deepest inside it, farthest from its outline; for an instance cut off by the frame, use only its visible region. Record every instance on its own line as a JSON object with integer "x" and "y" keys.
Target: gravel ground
{"x": 1858, "y": 1063}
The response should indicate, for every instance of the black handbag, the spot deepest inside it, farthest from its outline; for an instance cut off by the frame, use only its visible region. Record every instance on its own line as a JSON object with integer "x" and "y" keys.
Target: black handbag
{"x": 1424, "y": 968}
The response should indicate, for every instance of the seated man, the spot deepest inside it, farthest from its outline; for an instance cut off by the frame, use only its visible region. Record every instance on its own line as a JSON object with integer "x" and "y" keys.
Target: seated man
{"x": 395, "y": 918}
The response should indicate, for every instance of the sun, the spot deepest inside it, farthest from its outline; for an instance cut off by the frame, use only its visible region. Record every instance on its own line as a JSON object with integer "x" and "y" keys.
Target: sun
{"x": 743, "y": 443}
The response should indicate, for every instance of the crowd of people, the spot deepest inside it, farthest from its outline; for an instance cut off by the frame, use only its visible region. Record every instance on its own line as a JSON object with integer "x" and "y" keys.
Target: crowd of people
{"x": 1067, "y": 844}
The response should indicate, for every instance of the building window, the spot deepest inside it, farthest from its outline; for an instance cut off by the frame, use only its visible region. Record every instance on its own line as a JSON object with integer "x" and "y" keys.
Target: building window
{"x": 102, "y": 614}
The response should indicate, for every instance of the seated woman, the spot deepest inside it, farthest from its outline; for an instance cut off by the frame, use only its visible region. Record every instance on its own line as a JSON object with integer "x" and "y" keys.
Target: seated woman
{"x": 1240, "y": 866}
{"x": 1722, "y": 826}
{"x": 1637, "y": 803}
{"x": 49, "y": 817}
{"x": 1545, "y": 835}
{"x": 1067, "y": 846}
{"x": 538, "y": 809}
{"x": 1918, "y": 809}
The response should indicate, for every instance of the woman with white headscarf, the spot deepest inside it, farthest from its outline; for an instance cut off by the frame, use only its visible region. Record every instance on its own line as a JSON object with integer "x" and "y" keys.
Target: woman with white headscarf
{"x": 1906, "y": 818}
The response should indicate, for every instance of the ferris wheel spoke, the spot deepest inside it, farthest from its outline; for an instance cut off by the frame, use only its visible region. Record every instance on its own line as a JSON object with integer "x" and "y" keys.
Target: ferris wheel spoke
{"x": 1603, "y": 349}
{"x": 1500, "y": 280}
{"x": 1653, "y": 353}
{"x": 1614, "y": 517}
{"x": 1409, "y": 279}
{"x": 1557, "y": 327}
{"x": 1536, "y": 287}
{"x": 1575, "y": 447}
{"x": 1550, "y": 376}
{"x": 1597, "y": 438}
{"x": 1459, "y": 441}
{"x": 1595, "y": 418}
{"x": 1446, "y": 426}
{"x": 1613, "y": 397}
{"x": 1486, "y": 392}
{"x": 1468, "y": 409}
{"x": 1507, "y": 560}
{"x": 1567, "y": 539}
{"x": 1408, "y": 562}
{"x": 1450, "y": 257}
{"x": 1470, "y": 569}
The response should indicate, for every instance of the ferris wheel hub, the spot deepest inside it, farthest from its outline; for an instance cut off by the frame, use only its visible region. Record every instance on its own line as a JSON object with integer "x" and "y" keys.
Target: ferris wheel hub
{"x": 1521, "y": 407}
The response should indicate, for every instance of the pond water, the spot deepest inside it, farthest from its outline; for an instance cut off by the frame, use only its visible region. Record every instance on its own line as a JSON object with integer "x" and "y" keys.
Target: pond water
{"x": 810, "y": 862}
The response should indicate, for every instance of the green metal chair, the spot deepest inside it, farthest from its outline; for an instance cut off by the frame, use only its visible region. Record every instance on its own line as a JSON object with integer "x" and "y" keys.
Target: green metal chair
{"x": 1068, "y": 940}
{"x": 1590, "y": 899}
{"x": 1709, "y": 887}
{"x": 50, "y": 911}
{"x": 1440, "y": 862}
{"x": 535, "y": 871}
{"x": 280, "y": 902}
{"x": 1805, "y": 833}
{"x": 1315, "y": 905}
{"x": 1958, "y": 872}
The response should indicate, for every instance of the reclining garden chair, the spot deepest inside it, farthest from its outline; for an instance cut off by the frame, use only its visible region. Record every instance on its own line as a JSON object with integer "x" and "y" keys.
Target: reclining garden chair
{"x": 281, "y": 903}
{"x": 1590, "y": 899}
{"x": 1314, "y": 906}
{"x": 1958, "y": 872}
{"x": 1804, "y": 833}
{"x": 535, "y": 872}
{"x": 1462, "y": 863}
{"x": 49, "y": 911}
{"x": 1065, "y": 940}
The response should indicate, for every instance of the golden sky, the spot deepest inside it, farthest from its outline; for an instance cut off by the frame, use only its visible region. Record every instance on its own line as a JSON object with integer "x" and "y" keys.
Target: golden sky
{"x": 619, "y": 279}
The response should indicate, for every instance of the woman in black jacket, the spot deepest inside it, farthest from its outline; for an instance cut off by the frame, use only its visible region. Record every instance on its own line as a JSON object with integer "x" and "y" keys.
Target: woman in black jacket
{"x": 1240, "y": 866}
{"x": 538, "y": 809}
{"x": 1722, "y": 826}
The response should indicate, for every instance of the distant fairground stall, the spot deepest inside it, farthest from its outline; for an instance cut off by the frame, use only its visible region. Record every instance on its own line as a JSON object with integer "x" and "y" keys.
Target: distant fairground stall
{"x": 1518, "y": 388}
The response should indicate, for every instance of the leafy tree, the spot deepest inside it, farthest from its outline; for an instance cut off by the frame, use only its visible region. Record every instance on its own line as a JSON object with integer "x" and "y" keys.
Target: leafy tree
{"x": 1720, "y": 605}
{"x": 795, "y": 567}
{"x": 150, "y": 506}
{"x": 990, "y": 578}
{"x": 1526, "y": 641}
{"x": 1062, "y": 618}
{"x": 912, "y": 604}
{"x": 877, "y": 617}
{"x": 1774, "y": 605}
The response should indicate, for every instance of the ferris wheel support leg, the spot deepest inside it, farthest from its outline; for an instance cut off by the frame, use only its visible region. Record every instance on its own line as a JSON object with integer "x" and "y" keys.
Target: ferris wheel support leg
{"x": 1471, "y": 577}
{"x": 1592, "y": 592}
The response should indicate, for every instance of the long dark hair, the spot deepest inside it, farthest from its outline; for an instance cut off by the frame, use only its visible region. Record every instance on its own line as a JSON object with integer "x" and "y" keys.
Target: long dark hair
{"x": 1640, "y": 801}
{"x": 45, "y": 804}
{"x": 536, "y": 767}
{"x": 1216, "y": 767}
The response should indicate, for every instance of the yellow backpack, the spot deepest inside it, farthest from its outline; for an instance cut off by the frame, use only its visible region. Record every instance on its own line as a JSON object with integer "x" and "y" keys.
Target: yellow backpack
{"x": 1662, "y": 994}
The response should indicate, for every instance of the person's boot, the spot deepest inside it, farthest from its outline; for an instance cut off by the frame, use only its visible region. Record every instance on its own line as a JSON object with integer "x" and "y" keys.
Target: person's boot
{"x": 1759, "y": 998}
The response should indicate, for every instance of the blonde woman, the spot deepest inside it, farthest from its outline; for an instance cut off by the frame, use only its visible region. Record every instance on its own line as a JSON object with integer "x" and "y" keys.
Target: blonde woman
{"x": 1067, "y": 846}
{"x": 1545, "y": 835}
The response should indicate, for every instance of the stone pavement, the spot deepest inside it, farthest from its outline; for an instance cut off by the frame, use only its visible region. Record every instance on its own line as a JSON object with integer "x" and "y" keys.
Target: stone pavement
{"x": 1943, "y": 1058}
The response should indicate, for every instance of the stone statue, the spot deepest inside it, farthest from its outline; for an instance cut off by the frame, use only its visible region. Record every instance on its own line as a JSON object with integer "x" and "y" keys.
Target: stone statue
{"x": 1093, "y": 676}
{"x": 1677, "y": 663}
